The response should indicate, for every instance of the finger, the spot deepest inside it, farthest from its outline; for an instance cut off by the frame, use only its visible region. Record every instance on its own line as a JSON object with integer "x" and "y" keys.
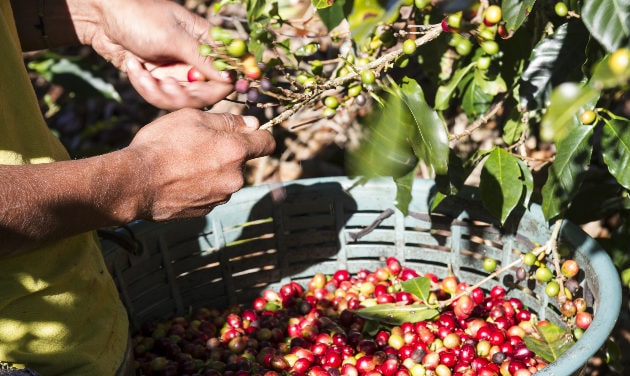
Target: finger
{"x": 167, "y": 93}
{"x": 259, "y": 143}
{"x": 187, "y": 50}
{"x": 209, "y": 92}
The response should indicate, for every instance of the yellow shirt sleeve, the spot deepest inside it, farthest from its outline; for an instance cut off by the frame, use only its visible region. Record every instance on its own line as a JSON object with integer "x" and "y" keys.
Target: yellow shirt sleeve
{"x": 60, "y": 313}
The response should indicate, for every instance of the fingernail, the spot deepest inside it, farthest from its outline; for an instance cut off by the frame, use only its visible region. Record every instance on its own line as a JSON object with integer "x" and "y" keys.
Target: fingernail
{"x": 132, "y": 65}
{"x": 228, "y": 75}
{"x": 251, "y": 122}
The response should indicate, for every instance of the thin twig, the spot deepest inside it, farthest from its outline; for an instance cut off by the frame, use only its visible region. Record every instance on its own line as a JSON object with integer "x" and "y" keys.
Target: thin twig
{"x": 317, "y": 91}
{"x": 481, "y": 121}
{"x": 381, "y": 217}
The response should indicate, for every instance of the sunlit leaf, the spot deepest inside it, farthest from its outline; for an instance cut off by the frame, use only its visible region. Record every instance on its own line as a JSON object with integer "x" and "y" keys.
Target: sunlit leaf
{"x": 515, "y": 12}
{"x": 567, "y": 102}
{"x": 396, "y": 314}
{"x": 616, "y": 149}
{"x": 445, "y": 93}
{"x": 475, "y": 101}
{"x": 404, "y": 184}
{"x": 500, "y": 183}
{"x": 528, "y": 181}
{"x": 549, "y": 341}
{"x": 430, "y": 142}
{"x": 367, "y": 14}
{"x": 333, "y": 15}
{"x": 551, "y": 62}
{"x": 386, "y": 148}
{"x": 608, "y": 21}
{"x": 513, "y": 128}
{"x": 419, "y": 286}
{"x": 321, "y": 4}
{"x": 573, "y": 156}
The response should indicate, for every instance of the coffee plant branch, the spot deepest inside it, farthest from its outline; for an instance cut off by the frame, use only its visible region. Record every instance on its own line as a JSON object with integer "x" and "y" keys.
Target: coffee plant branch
{"x": 431, "y": 33}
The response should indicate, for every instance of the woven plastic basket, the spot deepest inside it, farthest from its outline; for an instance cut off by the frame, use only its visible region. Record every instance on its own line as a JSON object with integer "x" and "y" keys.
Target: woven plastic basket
{"x": 265, "y": 236}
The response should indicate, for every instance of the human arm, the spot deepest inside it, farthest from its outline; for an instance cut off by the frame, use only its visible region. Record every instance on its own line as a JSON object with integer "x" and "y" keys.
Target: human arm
{"x": 181, "y": 165}
{"x": 154, "y": 41}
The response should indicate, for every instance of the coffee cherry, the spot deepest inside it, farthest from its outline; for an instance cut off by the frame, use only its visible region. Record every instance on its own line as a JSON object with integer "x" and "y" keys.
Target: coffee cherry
{"x": 355, "y": 90}
{"x": 241, "y": 86}
{"x": 454, "y": 20}
{"x": 588, "y": 117}
{"x": 409, "y": 47}
{"x": 421, "y": 4}
{"x": 570, "y": 268}
{"x": 463, "y": 47}
{"x": 219, "y": 34}
{"x": 195, "y": 75}
{"x": 492, "y": 15}
{"x": 205, "y": 50}
{"x": 583, "y": 320}
{"x": 328, "y": 112}
{"x": 484, "y": 62}
{"x": 490, "y": 47}
{"x": 368, "y": 77}
{"x": 236, "y": 48}
{"x": 561, "y": 9}
{"x": 529, "y": 259}
{"x": 489, "y": 264}
{"x": 265, "y": 84}
{"x": 220, "y": 65}
{"x": 544, "y": 274}
{"x": 619, "y": 61}
{"x": 253, "y": 95}
{"x": 552, "y": 289}
{"x": 331, "y": 102}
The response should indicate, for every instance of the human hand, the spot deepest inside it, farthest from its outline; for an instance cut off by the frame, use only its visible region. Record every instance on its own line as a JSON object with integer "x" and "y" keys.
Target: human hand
{"x": 156, "y": 42}
{"x": 189, "y": 161}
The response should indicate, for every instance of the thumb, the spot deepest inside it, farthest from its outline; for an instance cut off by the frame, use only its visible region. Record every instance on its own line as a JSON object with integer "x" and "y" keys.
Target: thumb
{"x": 232, "y": 123}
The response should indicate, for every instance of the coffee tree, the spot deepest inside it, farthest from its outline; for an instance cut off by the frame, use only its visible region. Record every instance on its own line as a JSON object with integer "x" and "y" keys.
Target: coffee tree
{"x": 542, "y": 81}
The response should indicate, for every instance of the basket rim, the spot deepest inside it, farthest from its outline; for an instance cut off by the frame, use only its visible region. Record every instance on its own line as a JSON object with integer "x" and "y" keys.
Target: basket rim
{"x": 607, "y": 277}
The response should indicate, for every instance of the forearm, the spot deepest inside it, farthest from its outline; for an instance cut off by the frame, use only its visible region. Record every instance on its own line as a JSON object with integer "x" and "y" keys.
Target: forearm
{"x": 44, "y": 202}
{"x": 54, "y": 23}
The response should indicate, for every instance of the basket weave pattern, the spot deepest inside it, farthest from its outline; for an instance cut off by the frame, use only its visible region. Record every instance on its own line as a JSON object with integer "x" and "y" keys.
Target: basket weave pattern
{"x": 266, "y": 236}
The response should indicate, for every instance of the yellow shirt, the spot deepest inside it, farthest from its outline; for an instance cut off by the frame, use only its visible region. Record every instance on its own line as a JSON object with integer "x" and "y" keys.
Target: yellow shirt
{"x": 60, "y": 313}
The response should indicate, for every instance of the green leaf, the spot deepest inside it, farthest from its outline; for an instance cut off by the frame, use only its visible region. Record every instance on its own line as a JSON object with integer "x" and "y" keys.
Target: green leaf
{"x": 572, "y": 159}
{"x": 491, "y": 85}
{"x": 549, "y": 341}
{"x": 367, "y": 14}
{"x": 515, "y": 12}
{"x": 403, "y": 191}
{"x": 445, "y": 92}
{"x": 528, "y": 181}
{"x": 455, "y": 177}
{"x": 333, "y": 15}
{"x": 552, "y": 61}
{"x": 604, "y": 78}
{"x": 616, "y": 149}
{"x": 322, "y": 4}
{"x": 608, "y": 21}
{"x": 419, "y": 286}
{"x": 255, "y": 9}
{"x": 385, "y": 149}
{"x": 567, "y": 102}
{"x": 474, "y": 100}
{"x": 497, "y": 185}
{"x": 430, "y": 142}
{"x": 513, "y": 128}
{"x": 396, "y": 314}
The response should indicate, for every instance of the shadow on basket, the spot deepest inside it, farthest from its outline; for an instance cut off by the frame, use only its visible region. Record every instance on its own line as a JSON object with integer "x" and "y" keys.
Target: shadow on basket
{"x": 262, "y": 237}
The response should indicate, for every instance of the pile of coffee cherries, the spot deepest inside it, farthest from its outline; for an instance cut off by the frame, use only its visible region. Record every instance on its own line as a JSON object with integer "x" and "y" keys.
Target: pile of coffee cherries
{"x": 317, "y": 329}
